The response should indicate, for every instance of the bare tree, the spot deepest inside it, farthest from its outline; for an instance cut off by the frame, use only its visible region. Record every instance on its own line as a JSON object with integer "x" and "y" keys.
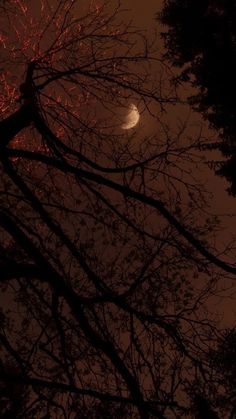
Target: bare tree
{"x": 107, "y": 256}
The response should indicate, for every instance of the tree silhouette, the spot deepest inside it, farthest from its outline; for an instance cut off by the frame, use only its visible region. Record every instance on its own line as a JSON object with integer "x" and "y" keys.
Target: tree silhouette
{"x": 200, "y": 42}
{"x": 107, "y": 255}
{"x": 223, "y": 360}
{"x": 203, "y": 409}
{"x": 12, "y": 399}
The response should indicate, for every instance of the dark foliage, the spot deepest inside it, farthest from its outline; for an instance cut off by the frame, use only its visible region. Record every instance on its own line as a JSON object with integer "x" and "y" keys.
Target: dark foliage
{"x": 201, "y": 42}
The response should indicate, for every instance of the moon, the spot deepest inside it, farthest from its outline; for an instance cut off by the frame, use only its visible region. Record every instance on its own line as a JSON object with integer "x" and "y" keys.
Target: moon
{"x": 132, "y": 117}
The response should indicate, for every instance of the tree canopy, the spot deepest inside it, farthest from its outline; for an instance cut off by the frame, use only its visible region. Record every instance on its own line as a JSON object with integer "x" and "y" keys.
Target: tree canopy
{"x": 200, "y": 40}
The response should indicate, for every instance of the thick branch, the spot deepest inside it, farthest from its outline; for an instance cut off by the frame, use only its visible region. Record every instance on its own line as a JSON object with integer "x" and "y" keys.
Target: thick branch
{"x": 62, "y": 387}
{"x": 13, "y": 270}
{"x": 14, "y": 123}
{"x": 22, "y": 118}
{"x": 67, "y": 388}
{"x": 128, "y": 192}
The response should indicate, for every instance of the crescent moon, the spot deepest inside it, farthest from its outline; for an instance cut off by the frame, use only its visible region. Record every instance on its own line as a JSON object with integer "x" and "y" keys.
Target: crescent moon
{"x": 132, "y": 117}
